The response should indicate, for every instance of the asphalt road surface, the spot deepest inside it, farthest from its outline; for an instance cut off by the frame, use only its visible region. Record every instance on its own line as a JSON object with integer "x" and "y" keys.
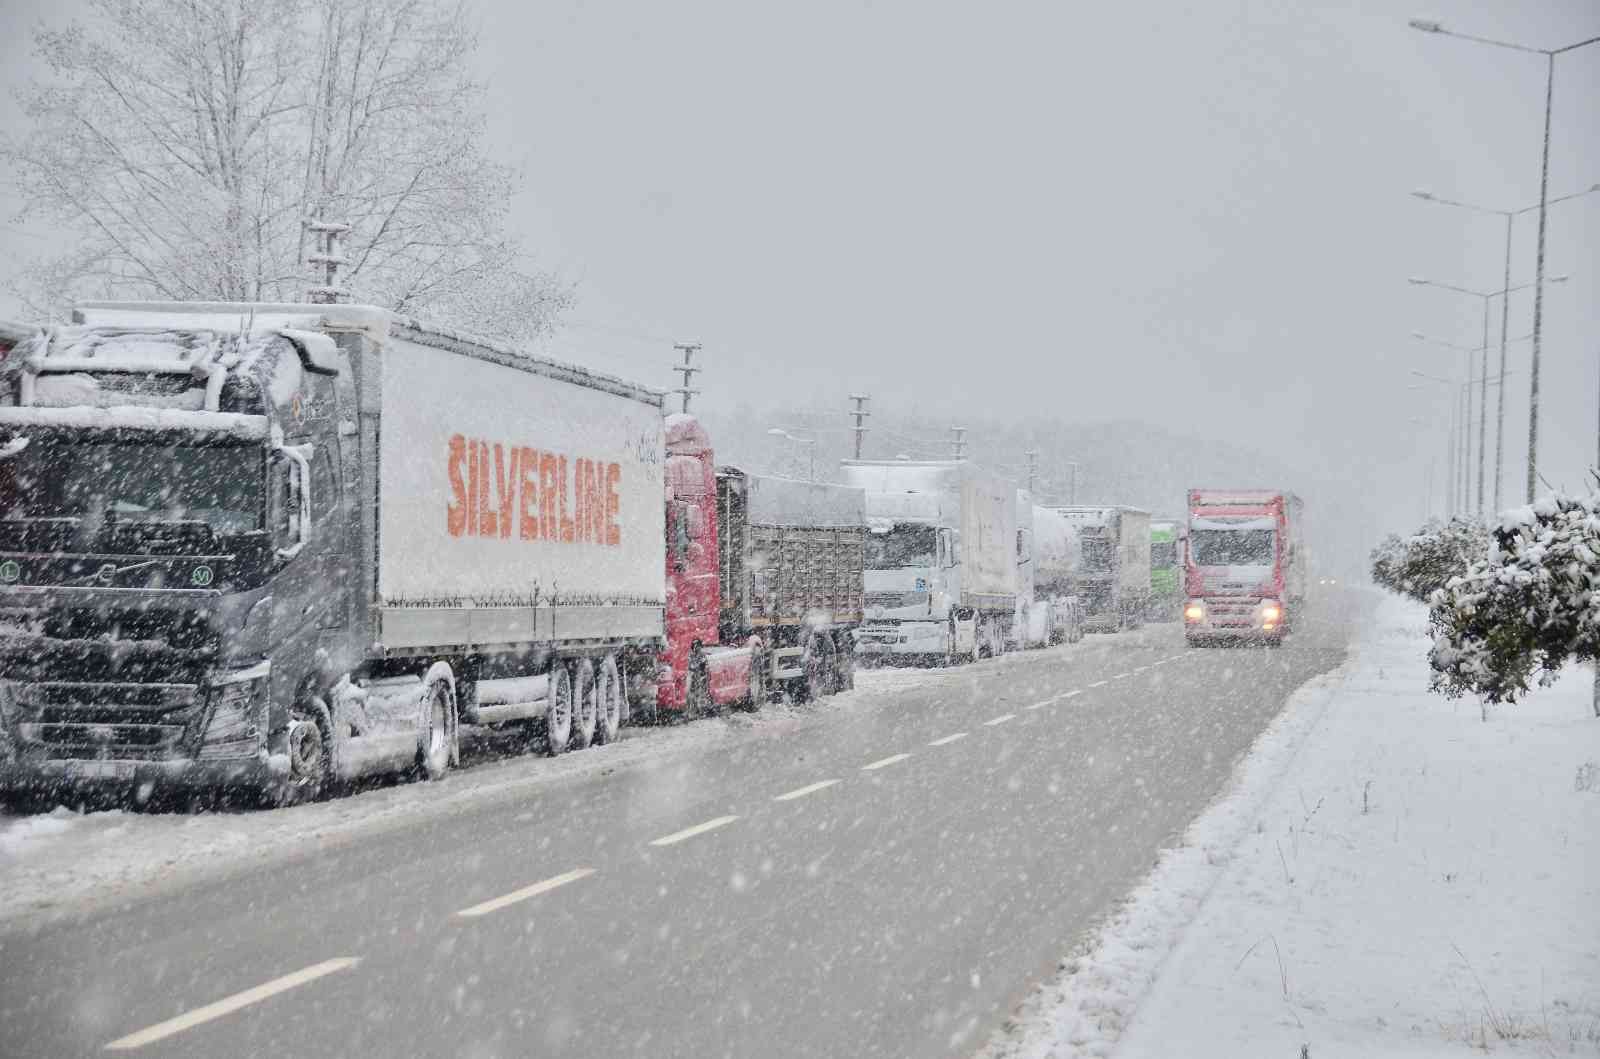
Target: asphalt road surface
{"x": 888, "y": 883}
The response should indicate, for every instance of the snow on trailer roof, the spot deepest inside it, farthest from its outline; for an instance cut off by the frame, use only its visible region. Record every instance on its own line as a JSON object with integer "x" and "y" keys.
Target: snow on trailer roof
{"x": 376, "y": 323}
{"x": 127, "y": 417}
{"x": 793, "y": 502}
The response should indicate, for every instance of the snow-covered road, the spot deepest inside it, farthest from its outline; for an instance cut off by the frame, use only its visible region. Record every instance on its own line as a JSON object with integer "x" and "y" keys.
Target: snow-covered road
{"x": 1389, "y": 875}
{"x": 885, "y": 874}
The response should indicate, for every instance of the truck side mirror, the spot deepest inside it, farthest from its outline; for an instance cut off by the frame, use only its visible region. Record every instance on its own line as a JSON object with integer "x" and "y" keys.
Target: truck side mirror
{"x": 291, "y": 498}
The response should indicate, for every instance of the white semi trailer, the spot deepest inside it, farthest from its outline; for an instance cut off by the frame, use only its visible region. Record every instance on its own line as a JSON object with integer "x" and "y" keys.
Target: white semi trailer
{"x": 941, "y": 567}
{"x": 320, "y": 537}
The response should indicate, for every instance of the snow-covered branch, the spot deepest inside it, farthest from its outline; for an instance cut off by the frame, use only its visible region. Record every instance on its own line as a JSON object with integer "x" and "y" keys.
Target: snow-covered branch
{"x": 1528, "y": 608}
{"x": 179, "y": 144}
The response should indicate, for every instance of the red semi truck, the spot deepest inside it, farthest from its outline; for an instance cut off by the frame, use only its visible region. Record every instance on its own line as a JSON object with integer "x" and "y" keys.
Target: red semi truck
{"x": 1244, "y": 565}
{"x": 765, "y": 582}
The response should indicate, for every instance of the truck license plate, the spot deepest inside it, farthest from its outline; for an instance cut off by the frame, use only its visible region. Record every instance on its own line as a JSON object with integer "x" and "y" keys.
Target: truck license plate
{"x": 98, "y": 770}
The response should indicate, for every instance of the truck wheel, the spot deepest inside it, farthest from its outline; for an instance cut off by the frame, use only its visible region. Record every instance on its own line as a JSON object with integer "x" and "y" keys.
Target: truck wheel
{"x": 697, "y": 687}
{"x": 585, "y": 706}
{"x": 758, "y": 679}
{"x": 845, "y": 666}
{"x": 816, "y": 665}
{"x": 608, "y": 697}
{"x": 436, "y": 735}
{"x": 310, "y": 744}
{"x": 558, "y": 711}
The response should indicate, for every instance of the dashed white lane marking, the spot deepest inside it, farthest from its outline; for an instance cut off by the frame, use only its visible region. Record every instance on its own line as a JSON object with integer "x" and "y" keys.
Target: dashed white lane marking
{"x": 1002, "y": 719}
{"x": 801, "y": 792}
{"x": 690, "y": 832}
{"x": 1042, "y": 703}
{"x": 228, "y": 1005}
{"x": 1070, "y": 694}
{"x": 1100, "y": 683}
{"x": 495, "y": 904}
{"x": 884, "y": 762}
{"x": 947, "y": 740}
{"x": 1122, "y": 676}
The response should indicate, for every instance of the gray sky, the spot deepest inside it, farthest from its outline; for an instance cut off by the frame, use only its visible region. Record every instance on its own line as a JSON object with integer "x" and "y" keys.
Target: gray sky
{"x": 1195, "y": 215}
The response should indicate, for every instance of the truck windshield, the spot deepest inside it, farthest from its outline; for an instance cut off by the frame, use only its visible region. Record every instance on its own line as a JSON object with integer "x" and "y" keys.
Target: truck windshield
{"x": 97, "y": 489}
{"x": 904, "y": 546}
{"x": 1219, "y": 547}
{"x": 1097, "y": 555}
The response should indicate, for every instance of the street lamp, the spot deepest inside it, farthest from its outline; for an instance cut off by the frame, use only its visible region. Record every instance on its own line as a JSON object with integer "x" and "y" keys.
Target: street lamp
{"x": 1431, "y": 26}
{"x": 778, "y": 432}
{"x": 1483, "y": 393}
{"x": 1509, "y": 215}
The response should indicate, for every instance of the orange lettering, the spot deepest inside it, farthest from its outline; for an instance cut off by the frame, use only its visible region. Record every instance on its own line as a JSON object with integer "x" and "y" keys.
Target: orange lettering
{"x": 456, "y": 513}
{"x": 507, "y": 484}
{"x": 472, "y": 488}
{"x": 580, "y": 499}
{"x": 566, "y": 520}
{"x": 613, "y": 505}
{"x": 549, "y": 525}
{"x": 595, "y": 483}
{"x": 527, "y": 469}
{"x": 486, "y": 521}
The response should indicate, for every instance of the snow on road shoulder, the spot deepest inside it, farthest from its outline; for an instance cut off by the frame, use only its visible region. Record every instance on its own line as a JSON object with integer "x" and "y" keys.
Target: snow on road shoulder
{"x": 1388, "y": 875}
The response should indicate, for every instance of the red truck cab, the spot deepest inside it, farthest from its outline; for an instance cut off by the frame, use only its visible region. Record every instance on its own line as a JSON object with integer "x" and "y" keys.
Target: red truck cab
{"x": 1244, "y": 565}
{"x": 697, "y": 670}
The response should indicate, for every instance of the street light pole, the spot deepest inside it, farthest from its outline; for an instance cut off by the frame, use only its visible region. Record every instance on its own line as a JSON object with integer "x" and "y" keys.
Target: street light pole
{"x": 1428, "y": 26}
{"x": 1504, "y": 294}
{"x": 1505, "y": 312}
{"x": 1538, "y": 279}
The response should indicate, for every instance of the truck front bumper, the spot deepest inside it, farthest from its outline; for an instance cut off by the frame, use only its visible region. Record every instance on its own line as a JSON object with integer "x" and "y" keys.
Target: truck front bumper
{"x": 890, "y": 639}
{"x": 260, "y": 772}
{"x": 1225, "y": 620}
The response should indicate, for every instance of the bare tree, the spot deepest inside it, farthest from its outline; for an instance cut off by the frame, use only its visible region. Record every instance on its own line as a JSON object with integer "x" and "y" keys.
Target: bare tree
{"x": 180, "y": 144}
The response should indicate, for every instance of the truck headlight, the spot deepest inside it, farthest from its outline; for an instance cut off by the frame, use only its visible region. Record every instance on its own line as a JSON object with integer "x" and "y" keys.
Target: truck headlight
{"x": 1270, "y": 611}
{"x": 238, "y": 715}
{"x": 1194, "y": 611}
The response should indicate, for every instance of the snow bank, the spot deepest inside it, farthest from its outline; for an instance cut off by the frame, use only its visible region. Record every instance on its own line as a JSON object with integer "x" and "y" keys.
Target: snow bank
{"x": 1389, "y": 875}
{"x": 16, "y": 836}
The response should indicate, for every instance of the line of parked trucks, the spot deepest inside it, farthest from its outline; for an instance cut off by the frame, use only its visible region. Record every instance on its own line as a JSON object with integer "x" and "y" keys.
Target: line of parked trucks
{"x": 270, "y": 547}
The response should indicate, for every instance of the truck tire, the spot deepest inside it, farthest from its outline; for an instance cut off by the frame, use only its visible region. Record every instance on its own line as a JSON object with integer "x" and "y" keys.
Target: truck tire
{"x": 585, "y": 705}
{"x": 436, "y": 727}
{"x": 697, "y": 701}
{"x": 845, "y": 666}
{"x": 310, "y": 745}
{"x": 609, "y": 696}
{"x": 759, "y": 663}
{"x": 558, "y": 710}
{"x": 816, "y": 666}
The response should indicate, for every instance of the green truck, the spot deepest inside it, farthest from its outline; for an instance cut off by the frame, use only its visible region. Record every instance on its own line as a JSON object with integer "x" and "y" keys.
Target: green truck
{"x": 1166, "y": 571}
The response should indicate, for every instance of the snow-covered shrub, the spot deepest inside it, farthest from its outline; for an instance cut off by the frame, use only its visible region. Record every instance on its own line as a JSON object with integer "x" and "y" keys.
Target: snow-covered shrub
{"x": 1526, "y": 609}
{"x": 1418, "y": 565}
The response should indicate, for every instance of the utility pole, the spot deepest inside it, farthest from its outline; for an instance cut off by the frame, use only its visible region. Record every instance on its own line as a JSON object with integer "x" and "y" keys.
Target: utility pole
{"x": 330, "y": 257}
{"x": 958, "y": 442}
{"x": 1033, "y": 468}
{"x": 687, "y": 370}
{"x": 861, "y": 414}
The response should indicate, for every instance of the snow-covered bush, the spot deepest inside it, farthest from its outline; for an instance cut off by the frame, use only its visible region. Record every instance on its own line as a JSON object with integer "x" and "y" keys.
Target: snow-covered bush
{"x": 1418, "y": 565}
{"x": 1529, "y": 607}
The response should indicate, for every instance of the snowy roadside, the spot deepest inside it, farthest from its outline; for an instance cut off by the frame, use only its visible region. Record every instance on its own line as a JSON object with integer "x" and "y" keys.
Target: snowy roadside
{"x": 66, "y": 862}
{"x": 1388, "y": 875}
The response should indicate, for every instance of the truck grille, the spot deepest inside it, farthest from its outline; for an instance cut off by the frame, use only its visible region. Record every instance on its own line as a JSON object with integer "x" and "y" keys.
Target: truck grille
{"x": 80, "y": 721}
